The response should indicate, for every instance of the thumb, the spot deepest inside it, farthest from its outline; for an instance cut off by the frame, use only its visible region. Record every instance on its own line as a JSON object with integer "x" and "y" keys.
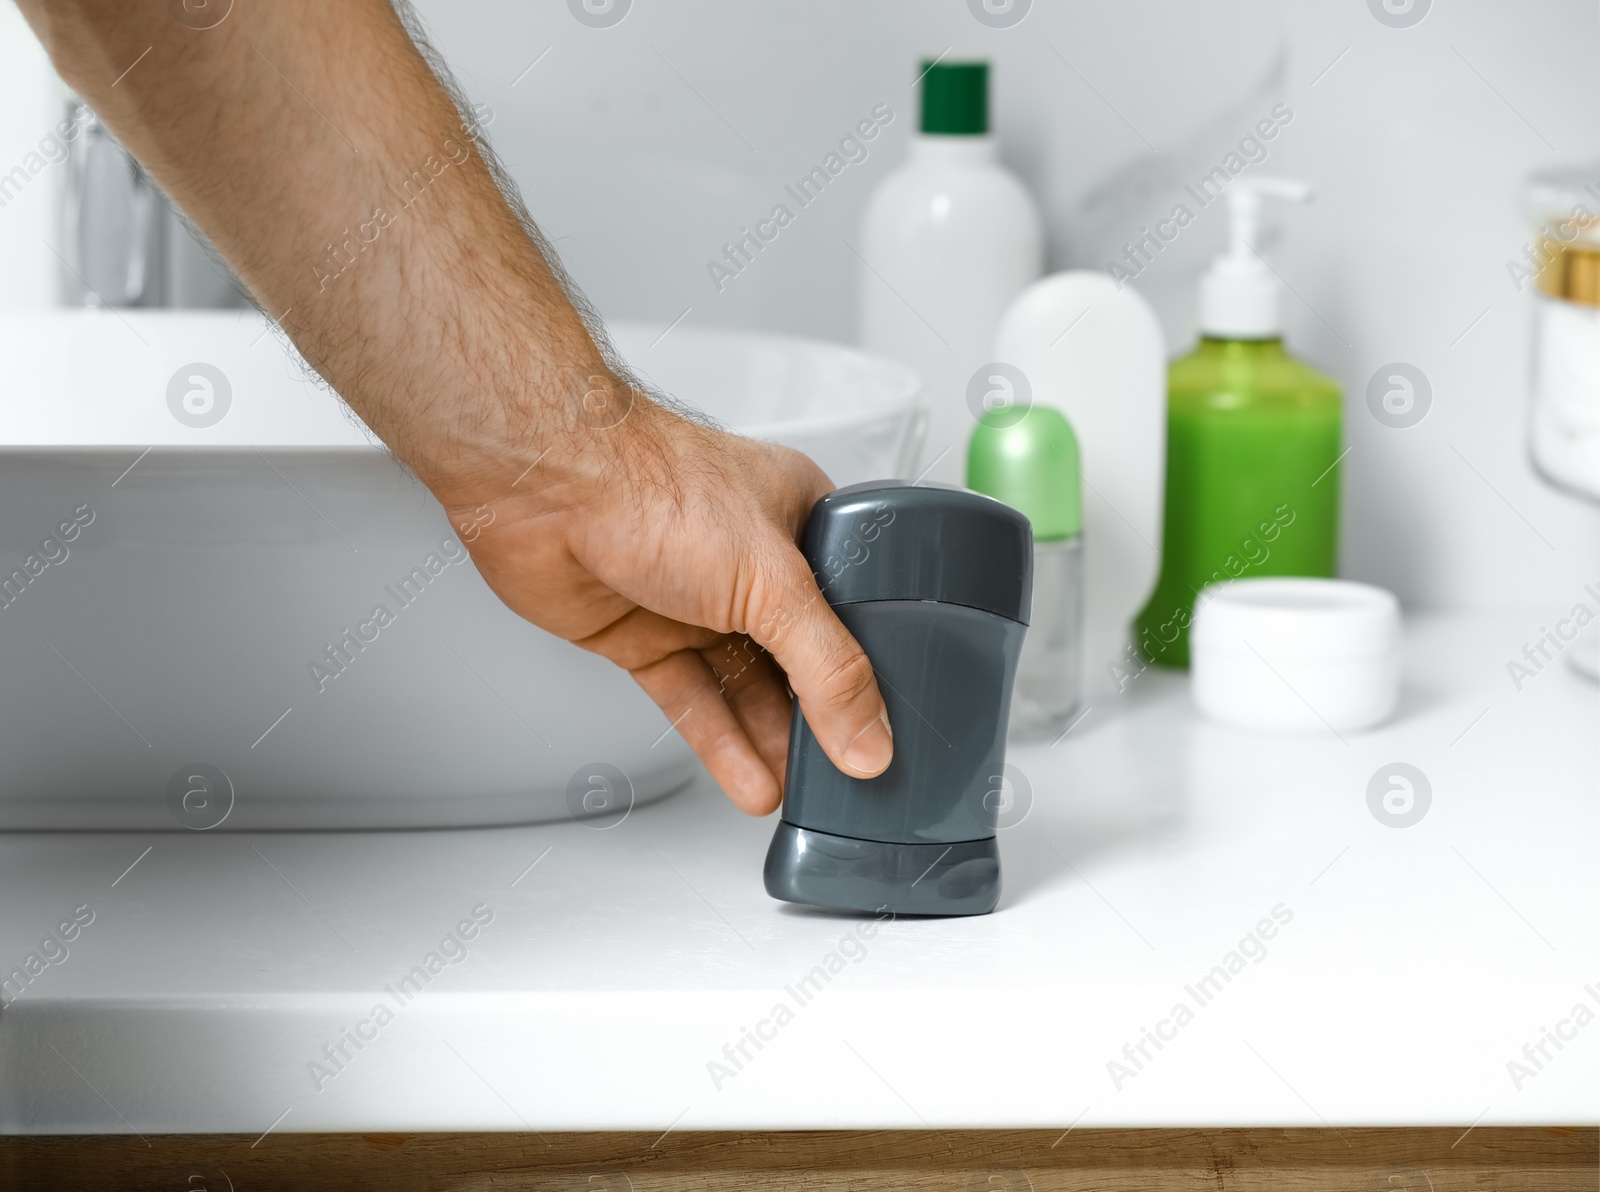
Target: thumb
{"x": 828, "y": 671}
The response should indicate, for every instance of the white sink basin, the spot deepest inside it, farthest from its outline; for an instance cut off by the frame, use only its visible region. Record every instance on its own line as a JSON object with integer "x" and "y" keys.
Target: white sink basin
{"x": 169, "y": 590}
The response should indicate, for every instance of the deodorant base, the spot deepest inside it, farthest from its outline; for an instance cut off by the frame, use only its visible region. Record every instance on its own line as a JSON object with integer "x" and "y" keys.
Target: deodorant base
{"x": 844, "y": 873}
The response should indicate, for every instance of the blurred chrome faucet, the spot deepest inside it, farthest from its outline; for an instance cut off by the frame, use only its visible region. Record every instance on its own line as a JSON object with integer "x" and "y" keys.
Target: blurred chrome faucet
{"x": 114, "y": 238}
{"x": 124, "y": 245}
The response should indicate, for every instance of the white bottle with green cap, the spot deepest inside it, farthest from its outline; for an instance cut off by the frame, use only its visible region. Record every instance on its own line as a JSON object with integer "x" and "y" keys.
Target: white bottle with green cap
{"x": 1027, "y": 456}
{"x": 948, "y": 240}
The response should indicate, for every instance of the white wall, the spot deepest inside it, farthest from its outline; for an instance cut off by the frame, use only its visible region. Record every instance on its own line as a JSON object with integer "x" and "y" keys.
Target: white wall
{"x": 642, "y": 147}
{"x": 646, "y": 145}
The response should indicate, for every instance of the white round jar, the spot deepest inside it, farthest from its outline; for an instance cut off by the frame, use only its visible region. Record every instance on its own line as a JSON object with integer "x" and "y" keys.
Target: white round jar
{"x": 1296, "y": 655}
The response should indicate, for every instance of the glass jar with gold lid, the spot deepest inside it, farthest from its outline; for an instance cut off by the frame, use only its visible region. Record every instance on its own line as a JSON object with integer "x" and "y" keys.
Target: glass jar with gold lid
{"x": 1562, "y": 260}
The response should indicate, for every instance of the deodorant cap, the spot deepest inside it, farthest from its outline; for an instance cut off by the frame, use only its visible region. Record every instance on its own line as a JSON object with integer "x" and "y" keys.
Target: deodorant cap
{"x": 926, "y": 542}
{"x": 1028, "y": 458}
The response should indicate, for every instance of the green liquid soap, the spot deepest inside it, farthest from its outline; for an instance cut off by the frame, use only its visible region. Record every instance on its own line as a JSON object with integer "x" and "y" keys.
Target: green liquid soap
{"x": 1252, "y": 480}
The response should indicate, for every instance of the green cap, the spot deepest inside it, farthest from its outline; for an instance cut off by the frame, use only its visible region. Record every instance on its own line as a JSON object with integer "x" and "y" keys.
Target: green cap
{"x": 1031, "y": 463}
{"x": 955, "y": 98}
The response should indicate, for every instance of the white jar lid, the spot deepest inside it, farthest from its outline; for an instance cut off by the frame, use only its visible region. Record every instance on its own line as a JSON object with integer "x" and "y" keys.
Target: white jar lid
{"x": 1295, "y": 655}
{"x": 1298, "y": 618}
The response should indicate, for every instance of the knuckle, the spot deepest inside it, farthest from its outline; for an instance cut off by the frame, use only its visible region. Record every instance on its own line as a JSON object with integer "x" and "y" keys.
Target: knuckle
{"x": 847, "y": 677}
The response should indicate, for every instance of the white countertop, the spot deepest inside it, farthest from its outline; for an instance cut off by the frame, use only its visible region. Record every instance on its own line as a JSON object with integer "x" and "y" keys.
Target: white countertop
{"x": 1415, "y": 963}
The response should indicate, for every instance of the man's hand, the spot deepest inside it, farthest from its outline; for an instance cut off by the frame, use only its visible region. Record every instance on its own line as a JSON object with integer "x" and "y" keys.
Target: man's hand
{"x": 318, "y": 152}
{"x": 669, "y": 548}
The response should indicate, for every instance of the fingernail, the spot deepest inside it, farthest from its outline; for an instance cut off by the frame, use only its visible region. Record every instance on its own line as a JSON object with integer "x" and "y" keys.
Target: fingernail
{"x": 872, "y": 748}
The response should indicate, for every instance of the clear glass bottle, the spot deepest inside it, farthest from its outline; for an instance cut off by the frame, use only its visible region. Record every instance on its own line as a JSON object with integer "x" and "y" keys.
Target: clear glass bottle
{"x": 1027, "y": 456}
{"x": 1047, "y": 693}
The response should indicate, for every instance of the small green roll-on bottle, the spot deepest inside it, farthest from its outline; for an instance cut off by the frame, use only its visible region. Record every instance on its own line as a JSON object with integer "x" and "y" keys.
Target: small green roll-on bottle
{"x": 1027, "y": 456}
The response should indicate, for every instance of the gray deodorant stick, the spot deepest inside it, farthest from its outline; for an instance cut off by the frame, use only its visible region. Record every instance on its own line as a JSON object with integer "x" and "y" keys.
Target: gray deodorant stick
{"x": 935, "y": 583}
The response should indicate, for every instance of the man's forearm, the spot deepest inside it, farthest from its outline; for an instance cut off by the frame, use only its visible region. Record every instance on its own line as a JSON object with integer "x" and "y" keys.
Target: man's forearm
{"x": 313, "y": 145}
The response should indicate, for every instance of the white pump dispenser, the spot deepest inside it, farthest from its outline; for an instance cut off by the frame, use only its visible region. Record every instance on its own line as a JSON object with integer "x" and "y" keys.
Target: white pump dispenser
{"x": 1240, "y": 296}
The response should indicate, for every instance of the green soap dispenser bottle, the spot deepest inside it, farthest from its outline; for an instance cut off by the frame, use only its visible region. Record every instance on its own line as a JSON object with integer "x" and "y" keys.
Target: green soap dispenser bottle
{"x": 1252, "y": 442}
